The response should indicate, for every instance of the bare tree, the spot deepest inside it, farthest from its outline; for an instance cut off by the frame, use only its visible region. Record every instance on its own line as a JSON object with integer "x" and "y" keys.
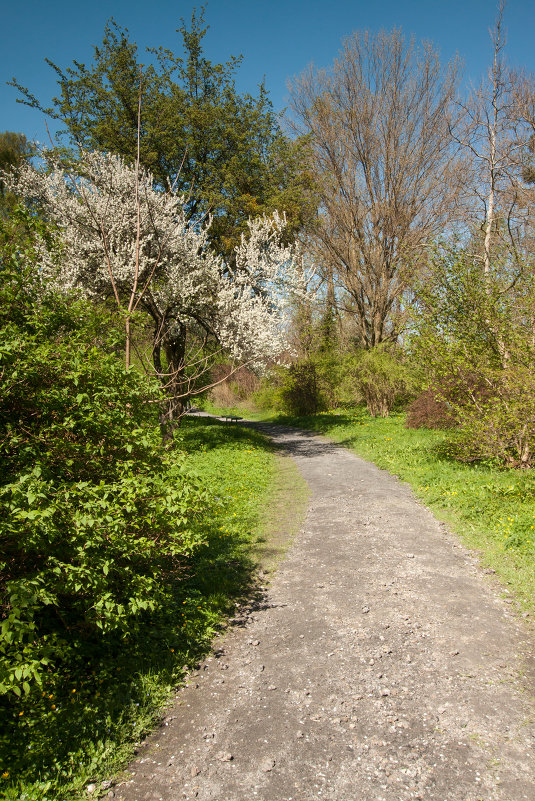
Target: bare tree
{"x": 524, "y": 97}
{"x": 523, "y": 84}
{"x": 379, "y": 125}
{"x": 494, "y": 136}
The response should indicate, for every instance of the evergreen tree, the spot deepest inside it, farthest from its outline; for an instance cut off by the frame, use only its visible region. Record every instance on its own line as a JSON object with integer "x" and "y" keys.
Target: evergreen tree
{"x": 225, "y": 150}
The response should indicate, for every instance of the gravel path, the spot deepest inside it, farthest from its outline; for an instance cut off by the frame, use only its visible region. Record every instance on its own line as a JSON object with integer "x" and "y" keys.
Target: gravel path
{"x": 381, "y": 665}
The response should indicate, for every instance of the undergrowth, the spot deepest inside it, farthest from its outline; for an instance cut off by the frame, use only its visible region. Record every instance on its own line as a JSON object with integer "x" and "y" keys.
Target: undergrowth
{"x": 88, "y": 718}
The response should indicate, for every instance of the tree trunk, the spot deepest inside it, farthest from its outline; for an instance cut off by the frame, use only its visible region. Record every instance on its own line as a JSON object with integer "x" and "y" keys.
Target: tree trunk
{"x": 174, "y": 383}
{"x": 171, "y": 375}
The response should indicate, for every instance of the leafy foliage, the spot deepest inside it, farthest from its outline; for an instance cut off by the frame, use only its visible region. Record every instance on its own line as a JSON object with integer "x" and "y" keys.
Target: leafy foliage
{"x": 99, "y": 702}
{"x": 475, "y": 340}
{"x": 499, "y": 425}
{"x": 93, "y": 512}
{"x": 384, "y": 379}
{"x": 116, "y": 561}
{"x": 300, "y": 392}
{"x": 15, "y": 150}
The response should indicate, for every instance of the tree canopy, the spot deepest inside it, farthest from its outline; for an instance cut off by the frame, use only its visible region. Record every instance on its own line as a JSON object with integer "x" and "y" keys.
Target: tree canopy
{"x": 124, "y": 239}
{"x": 379, "y": 126}
{"x": 225, "y": 150}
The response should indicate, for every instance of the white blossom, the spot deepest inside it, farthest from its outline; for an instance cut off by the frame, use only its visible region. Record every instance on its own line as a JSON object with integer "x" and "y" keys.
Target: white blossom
{"x": 179, "y": 278}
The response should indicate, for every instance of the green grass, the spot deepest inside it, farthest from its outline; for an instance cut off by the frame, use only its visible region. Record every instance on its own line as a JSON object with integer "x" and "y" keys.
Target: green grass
{"x": 84, "y": 727}
{"x": 284, "y": 493}
{"x": 244, "y": 409}
{"x": 492, "y": 510}
{"x": 283, "y": 515}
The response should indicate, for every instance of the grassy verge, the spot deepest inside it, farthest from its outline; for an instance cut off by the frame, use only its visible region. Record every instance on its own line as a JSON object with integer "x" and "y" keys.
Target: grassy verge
{"x": 283, "y": 514}
{"x": 245, "y": 409}
{"x": 284, "y": 507}
{"x": 284, "y": 501}
{"x": 83, "y": 729}
{"x": 490, "y": 509}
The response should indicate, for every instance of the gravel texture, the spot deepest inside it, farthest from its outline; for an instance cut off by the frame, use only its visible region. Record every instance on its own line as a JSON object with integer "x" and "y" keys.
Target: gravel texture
{"x": 380, "y": 664}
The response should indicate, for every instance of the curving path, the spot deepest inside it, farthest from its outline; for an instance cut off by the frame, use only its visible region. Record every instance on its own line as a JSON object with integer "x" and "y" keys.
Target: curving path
{"x": 381, "y": 665}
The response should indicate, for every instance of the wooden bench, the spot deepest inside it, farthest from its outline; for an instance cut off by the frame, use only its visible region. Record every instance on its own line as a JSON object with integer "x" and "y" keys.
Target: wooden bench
{"x": 232, "y": 418}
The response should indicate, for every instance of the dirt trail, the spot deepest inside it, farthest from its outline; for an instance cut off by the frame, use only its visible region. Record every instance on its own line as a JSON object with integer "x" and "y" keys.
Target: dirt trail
{"x": 381, "y": 665}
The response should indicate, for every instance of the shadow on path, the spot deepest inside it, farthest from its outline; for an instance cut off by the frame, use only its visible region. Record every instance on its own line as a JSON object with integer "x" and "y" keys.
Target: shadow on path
{"x": 379, "y": 665}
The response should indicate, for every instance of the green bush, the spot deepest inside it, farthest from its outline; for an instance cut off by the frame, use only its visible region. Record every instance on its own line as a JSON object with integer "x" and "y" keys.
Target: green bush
{"x": 336, "y": 370}
{"x": 300, "y": 393}
{"x": 384, "y": 380}
{"x": 498, "y": 425}
{"x": 266, "y": 396}
{"x": 474, "y": 338}
{"x": 324, "y": 380}
{"x": 95, "y": 517}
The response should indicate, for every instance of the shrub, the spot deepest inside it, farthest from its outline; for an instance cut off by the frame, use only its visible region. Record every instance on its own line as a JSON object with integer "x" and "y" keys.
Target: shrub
{"x": 474, "y": 338}
{"x": 267, "y": 396}
{"x": 336, "y": 370}
{"x": 500, "y": 427}
{"x": 384, "y": 380}
{"x": 300, "y": 393}
{"x": 95, "y": 517}
{"x": 429, "y": 411}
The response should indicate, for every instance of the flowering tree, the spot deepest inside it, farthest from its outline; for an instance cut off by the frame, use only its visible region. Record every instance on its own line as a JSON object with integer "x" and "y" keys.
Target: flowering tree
{"x": 226, "y": 149}
{"x": 123, "y": 239}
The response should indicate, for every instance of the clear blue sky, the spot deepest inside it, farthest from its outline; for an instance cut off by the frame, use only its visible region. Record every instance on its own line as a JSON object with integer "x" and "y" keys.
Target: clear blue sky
{"x": 278, "y": 38}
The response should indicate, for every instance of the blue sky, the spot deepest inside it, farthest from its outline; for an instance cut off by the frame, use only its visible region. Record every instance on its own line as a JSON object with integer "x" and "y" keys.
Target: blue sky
{"x": 278, "y": 38}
